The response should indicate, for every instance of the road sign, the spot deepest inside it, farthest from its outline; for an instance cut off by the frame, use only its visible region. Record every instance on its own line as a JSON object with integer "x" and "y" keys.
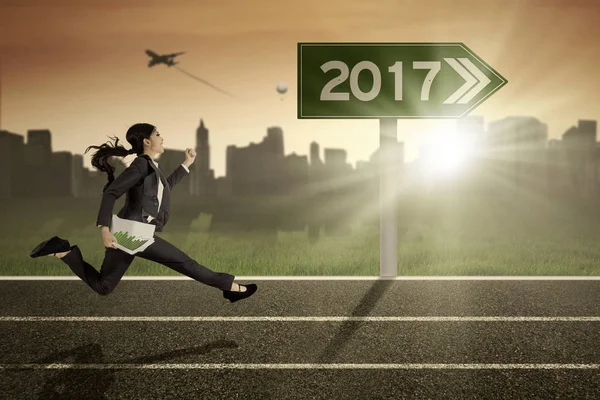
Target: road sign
{"x": 391, "y": 80}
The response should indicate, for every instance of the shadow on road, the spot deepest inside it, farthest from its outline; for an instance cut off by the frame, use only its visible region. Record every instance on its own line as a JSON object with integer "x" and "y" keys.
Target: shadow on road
{"x": 348, "y": 328}
{"x": 92, "y": 384}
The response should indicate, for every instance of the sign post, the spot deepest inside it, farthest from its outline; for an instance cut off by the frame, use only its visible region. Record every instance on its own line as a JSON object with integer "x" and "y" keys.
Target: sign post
{"x": 388, "y": 175}
{"x": 388, "y": 81}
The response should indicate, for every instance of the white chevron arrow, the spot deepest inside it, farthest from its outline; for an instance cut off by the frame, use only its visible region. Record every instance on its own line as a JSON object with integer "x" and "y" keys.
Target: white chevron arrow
{"x": 474, "y": 77}
{"x": 479, "y": 75}
{"x": 469, "y": 81}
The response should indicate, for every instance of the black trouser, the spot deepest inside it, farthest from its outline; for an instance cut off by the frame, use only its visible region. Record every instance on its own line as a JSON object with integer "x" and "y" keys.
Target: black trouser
{"x": 116, "y": 263}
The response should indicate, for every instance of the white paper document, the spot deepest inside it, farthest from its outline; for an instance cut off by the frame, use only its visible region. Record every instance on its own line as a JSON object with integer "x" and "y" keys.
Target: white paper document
{"x": 132, "y": 236}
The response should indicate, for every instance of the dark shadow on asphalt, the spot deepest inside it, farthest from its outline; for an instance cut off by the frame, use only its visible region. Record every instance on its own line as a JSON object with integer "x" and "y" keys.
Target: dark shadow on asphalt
{"x": 92, "y": 384}
{"x": 348, "y": 328}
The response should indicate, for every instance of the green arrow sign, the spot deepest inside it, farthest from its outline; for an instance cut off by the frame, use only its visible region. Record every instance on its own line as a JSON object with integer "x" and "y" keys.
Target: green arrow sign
{"x": 391, "y": 80}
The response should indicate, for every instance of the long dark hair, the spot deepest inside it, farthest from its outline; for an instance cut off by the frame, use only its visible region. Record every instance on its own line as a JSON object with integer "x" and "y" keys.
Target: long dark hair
{"x": 135, "y": 136}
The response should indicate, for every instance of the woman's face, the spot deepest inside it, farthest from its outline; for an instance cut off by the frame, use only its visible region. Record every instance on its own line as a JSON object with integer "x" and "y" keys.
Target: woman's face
{"x": 156, "y": 142}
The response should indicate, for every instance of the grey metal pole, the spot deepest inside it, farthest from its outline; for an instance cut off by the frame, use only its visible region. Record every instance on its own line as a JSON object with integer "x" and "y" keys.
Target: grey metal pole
{"x": 388, "y": 243}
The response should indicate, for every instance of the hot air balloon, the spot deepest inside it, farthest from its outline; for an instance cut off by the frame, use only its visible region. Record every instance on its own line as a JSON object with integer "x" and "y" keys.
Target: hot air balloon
{"x": 282, "y": 89}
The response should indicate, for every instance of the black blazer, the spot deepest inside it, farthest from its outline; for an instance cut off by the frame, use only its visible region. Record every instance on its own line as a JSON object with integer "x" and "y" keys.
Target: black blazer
{"x": 140, "y": 183}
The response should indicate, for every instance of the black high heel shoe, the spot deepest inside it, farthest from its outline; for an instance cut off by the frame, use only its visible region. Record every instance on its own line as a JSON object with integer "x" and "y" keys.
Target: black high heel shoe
{"x": 234, "y": 296}
{"x": 51, "y": 246}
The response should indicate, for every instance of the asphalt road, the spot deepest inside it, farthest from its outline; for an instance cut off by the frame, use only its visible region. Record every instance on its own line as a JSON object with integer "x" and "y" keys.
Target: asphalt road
{"x": 440, "y": 355}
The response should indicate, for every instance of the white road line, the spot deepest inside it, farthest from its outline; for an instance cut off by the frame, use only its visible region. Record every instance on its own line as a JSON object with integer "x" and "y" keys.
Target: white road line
{"x": 299, "y": 366}
{"x": 325, "y": 278}
{"x": 299, "y": 319}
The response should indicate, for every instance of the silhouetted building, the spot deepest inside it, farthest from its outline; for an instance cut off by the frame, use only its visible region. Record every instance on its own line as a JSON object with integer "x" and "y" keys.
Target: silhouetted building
{"x": 39, "y": 147}
{"x": 62, "y": 169}
{"x": 517, "y": 147}
{"x": 94, "y": 182}
{"x": 78, "y": 176}
{"x": 316, "y": 171}
{"x": 583, "y": 135}
{"x": 38, "y": 153}
{"x": 223, "y": 186}
{"x": 202, "y": 180}
{"x": 258, "y": 169}
{"x": 12, "y": 173}
{"x": 273, "y": 143}
{"x": 315, "y": 158}
{"x": 517, "y": 133}
{"x": 580, "y": 154}
{"x": 335, "y": 159}
{"x": 295, "y": 177}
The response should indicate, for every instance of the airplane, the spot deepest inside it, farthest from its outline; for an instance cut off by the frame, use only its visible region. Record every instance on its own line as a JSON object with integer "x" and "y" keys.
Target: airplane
{"x": 167, "y": 59}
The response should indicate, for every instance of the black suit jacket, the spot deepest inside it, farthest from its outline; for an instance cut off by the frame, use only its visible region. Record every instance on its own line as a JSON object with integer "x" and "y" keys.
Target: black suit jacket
{"x": 140, "y": 183}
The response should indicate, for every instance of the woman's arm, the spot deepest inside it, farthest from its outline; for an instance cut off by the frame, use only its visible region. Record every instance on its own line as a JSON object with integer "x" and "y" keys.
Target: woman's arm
{"x": 177, "y": 176}
{"x": 183, "y": 169}
{"x": 125, "y": 181}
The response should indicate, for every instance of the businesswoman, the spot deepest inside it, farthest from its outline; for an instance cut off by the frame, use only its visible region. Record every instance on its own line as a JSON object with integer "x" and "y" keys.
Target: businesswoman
{"x": 147, "y": 200}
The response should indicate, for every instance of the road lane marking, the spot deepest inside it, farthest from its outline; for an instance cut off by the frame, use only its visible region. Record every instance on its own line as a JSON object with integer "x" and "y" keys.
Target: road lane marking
{"x": 299, "y": 366}
{"x": 295, "y": 319}
{"x": 324, "y": 278}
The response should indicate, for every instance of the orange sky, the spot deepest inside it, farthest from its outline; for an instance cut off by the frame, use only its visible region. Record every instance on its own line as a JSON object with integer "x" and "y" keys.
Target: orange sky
{"x": 81, "y": 70}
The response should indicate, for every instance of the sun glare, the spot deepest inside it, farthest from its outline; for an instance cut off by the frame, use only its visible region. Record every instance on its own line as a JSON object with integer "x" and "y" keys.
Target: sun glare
{"x": 447, "y": 154}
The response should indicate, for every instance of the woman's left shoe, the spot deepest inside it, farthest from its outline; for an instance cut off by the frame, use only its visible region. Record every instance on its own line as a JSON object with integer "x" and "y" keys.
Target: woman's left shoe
{"x": 51, "y": 246}
{"x": 234, "y": 296}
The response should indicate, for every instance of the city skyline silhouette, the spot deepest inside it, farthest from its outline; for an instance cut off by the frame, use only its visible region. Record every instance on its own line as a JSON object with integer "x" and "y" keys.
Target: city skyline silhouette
{"x": 509, "y": 140}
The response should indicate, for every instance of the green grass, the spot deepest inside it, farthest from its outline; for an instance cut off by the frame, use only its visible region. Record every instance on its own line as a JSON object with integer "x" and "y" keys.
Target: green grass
{"x": 437, "y": 235}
